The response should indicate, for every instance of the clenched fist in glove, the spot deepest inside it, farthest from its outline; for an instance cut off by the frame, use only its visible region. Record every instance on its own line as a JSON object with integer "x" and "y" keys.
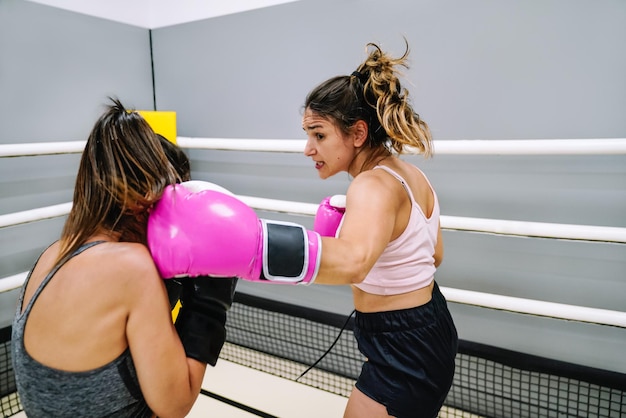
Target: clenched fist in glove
{"x": 201, "y": 321}
{"x": 201, "y": 229}
{"x": 329, "y": 215}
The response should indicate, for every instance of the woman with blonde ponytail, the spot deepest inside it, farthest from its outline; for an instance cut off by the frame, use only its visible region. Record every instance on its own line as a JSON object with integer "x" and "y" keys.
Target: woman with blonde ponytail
{"x": 386, "y": 242}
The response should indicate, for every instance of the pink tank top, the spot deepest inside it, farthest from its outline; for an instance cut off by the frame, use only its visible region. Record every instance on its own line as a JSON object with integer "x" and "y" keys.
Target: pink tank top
{"x": 407, "y": 263}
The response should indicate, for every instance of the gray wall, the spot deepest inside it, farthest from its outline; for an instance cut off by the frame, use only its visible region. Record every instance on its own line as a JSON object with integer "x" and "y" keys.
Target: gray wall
{"x": 56, "y": 70}
{"x": 480, "y": 70}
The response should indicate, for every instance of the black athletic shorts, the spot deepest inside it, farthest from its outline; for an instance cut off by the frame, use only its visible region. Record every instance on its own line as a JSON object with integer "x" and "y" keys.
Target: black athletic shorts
{"x": 410, "y": 357}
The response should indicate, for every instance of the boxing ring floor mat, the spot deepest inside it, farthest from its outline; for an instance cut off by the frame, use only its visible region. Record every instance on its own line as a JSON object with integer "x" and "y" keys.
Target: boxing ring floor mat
{"x": 263, "y": 394}
{"x": 245, "y": 392}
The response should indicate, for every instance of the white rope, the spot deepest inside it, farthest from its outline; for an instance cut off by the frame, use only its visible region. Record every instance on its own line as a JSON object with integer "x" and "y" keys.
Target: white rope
{"x": 485, "y": 300}
{"x": 441, "y": 147}
{"x": 41, "y": 148}
{"x": 536, "y": 307}
{"x": 535, "y": 229}
{"x": 33, "y": 215}
{"x": 490, "y": 226}
{"x": 532, "y": 146}
{"x": 12, "y": 282}
{"x": 284, "y": 206}
{"x": 238, "y": 144}
{"x": 597, "y": 146}
{"x": 459, "y": 223}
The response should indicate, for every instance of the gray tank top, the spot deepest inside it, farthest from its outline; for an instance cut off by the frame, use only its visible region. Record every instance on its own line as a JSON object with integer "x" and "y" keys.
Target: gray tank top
{"x": 108, "y": 391}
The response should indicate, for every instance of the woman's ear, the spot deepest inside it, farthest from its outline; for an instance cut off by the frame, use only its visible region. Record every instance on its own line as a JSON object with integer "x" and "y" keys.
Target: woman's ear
{"x": 360, "y": 131}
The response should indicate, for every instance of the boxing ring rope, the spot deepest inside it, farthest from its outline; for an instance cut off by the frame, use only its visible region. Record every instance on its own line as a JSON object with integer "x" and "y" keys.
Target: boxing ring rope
{"x": 606, "y": 234}
{"x": 600, "y": 146}
{"x": 597, "y": 146}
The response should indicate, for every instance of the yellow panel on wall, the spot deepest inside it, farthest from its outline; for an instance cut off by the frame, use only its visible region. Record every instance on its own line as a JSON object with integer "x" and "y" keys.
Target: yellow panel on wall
{"x": 162, "y": 122}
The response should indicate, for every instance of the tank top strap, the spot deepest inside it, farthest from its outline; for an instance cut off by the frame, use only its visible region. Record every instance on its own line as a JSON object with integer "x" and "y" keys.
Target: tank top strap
{"x": 48, "y": 277}
{"x": 427, "y": 181}
{"x": 400, "y": 179}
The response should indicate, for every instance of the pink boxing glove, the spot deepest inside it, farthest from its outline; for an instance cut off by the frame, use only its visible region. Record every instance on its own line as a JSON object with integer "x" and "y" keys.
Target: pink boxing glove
{"x": 207, "y": 231}
{"x": 329, "y": 215}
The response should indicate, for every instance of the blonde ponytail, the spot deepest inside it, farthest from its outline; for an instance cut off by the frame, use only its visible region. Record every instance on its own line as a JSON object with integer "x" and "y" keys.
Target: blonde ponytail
{"x": 383, "y": 92}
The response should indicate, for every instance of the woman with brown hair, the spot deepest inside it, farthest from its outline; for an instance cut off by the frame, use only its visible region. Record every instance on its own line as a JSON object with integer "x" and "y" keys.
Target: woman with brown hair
{"x": 93, "y": 334}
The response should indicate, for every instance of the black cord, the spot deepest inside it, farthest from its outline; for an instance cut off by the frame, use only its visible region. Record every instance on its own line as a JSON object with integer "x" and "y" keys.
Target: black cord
{"x": 331, "y": 346}
{"x": 152, "y": 69}
{"x": 236, "y": 404}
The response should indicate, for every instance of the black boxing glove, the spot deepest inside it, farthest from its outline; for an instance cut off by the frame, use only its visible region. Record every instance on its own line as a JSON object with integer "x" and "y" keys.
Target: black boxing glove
{"x": 201, "y": 321}
{"x": 174, "y": 289}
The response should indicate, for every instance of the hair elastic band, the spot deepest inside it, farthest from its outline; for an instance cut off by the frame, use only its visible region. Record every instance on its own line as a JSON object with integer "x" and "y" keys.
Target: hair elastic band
{"x": 362, "y": 78}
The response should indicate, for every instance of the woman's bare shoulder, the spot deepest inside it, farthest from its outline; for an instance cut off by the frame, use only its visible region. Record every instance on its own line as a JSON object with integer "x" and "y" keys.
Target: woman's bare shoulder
{"x": 374, "y": 184}
{"x": 127, "y": 260}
